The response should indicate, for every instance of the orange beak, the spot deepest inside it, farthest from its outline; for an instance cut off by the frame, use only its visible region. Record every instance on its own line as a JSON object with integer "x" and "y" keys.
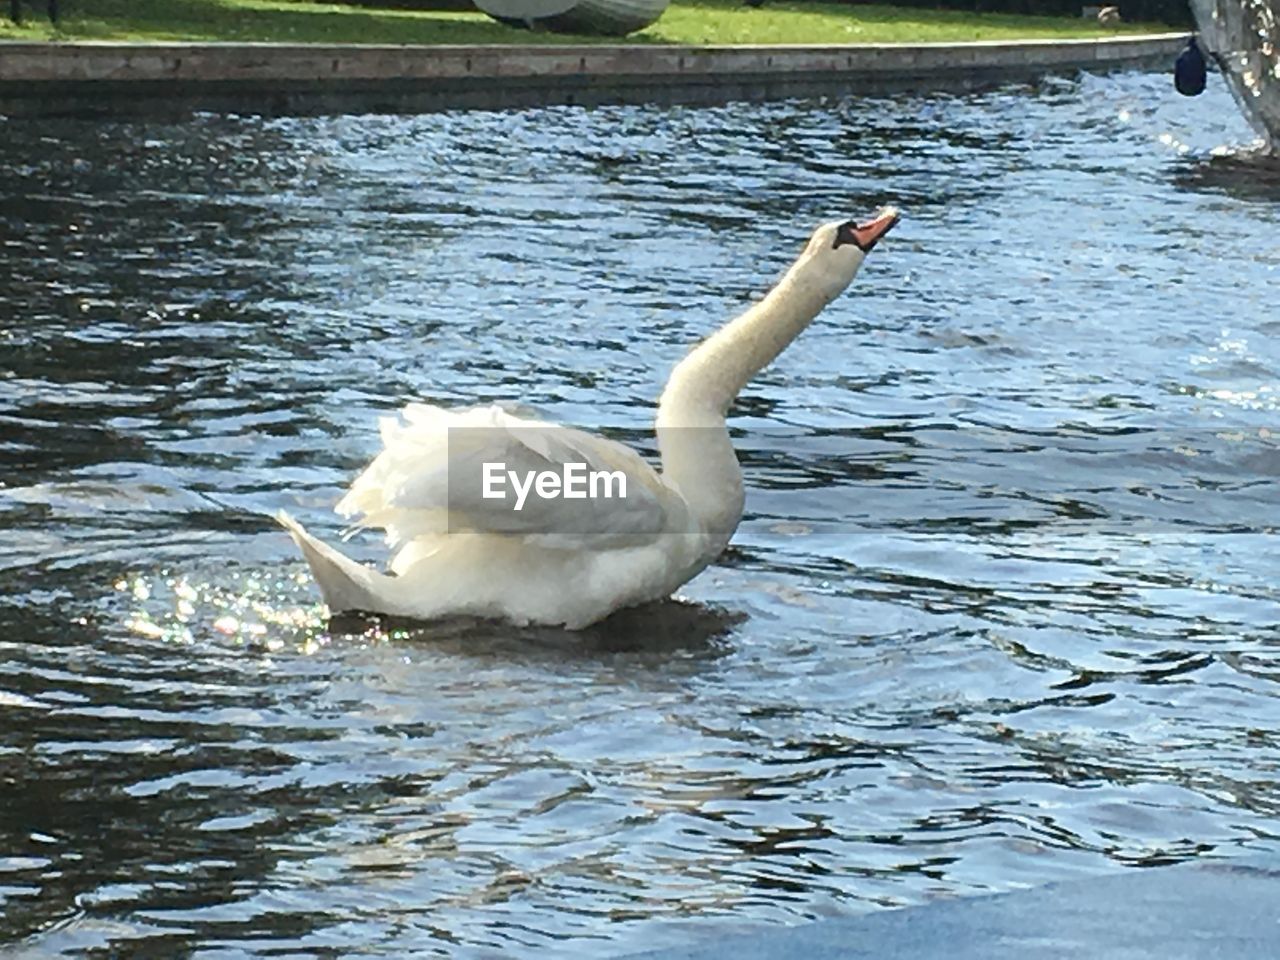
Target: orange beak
{"x": 867, "y": 235}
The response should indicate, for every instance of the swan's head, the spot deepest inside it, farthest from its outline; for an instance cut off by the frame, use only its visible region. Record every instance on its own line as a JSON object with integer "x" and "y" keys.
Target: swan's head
{"x": 838, "y": 249}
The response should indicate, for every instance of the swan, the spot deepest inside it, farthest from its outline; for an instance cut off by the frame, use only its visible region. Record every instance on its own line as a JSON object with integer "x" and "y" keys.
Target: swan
{"x": 446, "y": 487}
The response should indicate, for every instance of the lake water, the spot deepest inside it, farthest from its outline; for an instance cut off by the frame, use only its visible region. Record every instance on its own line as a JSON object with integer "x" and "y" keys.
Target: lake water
{"x": 1003, "y": 609}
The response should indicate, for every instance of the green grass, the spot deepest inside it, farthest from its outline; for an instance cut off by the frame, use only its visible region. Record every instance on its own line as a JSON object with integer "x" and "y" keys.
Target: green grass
{"x": 685, "y": 22}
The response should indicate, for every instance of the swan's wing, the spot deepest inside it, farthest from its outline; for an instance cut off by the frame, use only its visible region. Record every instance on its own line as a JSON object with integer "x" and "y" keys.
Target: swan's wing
{"x": 430, "y": 479}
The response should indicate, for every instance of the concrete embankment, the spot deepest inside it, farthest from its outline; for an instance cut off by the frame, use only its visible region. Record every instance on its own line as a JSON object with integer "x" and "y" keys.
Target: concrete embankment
{"x": 87, "y": 78}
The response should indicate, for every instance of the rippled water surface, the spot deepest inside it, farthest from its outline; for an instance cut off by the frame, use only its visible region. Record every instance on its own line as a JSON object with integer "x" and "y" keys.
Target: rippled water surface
{"x": 1003, "y": 609}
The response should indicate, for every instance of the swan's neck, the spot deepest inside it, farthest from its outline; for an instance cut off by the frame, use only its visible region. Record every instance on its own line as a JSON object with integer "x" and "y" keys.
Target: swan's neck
{"x": 697, "y": 455}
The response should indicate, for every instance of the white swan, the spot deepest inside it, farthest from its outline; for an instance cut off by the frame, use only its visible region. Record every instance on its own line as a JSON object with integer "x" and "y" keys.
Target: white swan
{"x": 571, "y": 562}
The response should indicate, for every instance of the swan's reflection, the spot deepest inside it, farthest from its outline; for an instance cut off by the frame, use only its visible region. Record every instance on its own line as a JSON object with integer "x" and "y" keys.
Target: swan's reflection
{"x": 666, "y": 627}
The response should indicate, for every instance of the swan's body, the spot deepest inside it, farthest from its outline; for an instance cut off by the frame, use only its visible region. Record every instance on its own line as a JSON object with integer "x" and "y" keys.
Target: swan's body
{"x": 571, "y": 562}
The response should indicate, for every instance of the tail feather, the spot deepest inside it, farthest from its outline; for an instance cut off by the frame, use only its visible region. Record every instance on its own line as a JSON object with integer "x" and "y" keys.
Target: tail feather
{"x": 345, "y": 584}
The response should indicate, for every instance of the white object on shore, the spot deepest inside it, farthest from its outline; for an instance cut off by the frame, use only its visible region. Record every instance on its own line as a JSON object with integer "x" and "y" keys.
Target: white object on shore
{"x": 608, "y": 17}
{"x": 558, "y": 562}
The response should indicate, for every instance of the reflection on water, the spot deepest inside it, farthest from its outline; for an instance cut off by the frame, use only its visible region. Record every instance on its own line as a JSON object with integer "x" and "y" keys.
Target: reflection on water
{"x": 657, "y": 630}
{"x": 927, "y": 666}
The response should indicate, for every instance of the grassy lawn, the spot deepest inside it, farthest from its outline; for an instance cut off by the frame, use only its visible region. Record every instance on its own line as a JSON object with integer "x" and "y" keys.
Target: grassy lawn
{"x": 685, "y": 22}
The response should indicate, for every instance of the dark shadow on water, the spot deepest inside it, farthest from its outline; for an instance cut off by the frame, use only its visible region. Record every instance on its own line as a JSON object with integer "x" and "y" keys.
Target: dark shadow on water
{"x": 1243, "y": 174}
{"x": 668, "y": 628}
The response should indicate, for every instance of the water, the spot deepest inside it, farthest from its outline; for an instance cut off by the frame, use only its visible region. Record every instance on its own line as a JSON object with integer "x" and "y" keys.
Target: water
{"x": 966, "y": 639}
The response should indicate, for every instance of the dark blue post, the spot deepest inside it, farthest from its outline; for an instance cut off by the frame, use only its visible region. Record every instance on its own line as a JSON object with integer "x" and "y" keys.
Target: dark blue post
{"x": 15, "y": 11}
{"x": 1189, "y": 71}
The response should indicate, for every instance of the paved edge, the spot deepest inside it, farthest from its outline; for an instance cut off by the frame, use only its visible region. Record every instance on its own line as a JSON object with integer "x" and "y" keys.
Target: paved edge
{"x": 1203, "y": 910}
{"x": 278, "y": 78}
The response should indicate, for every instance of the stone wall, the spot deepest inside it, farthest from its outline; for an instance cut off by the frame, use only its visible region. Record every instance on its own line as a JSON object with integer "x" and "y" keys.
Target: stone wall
{"x": 82, "y": 78}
